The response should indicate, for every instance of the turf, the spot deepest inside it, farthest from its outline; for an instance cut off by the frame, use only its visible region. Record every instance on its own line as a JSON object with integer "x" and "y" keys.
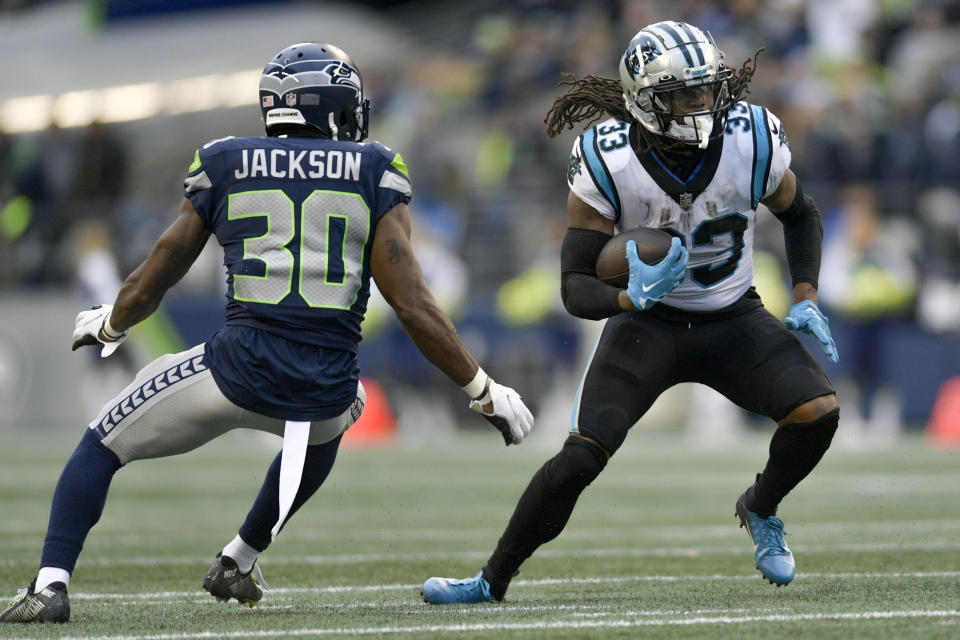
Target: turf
{"x": 653, "y": 549}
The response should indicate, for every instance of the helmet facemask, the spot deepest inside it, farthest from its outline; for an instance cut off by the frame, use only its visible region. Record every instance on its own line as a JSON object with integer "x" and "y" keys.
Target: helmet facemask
{"x": 691, "y": 113}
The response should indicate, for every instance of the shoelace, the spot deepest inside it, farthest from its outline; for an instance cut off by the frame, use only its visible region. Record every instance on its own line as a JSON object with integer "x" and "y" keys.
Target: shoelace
{"x": 469, "y": 584}
{"x": 771, "y": 535}
{"x": 258, "y": 577}
{"x": 15, "y": 600}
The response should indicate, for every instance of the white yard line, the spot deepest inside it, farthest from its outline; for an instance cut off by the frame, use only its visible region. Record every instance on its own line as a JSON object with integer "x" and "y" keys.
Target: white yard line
{"x": 419, "y": 556}
{"x": 524, "y": 583}
{"x": 535, "y": 626}
{"x": 120, "y": 533}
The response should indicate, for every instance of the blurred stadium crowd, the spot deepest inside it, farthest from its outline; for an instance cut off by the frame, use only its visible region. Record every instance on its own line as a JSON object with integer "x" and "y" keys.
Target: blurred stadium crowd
{"x": 868, "y": 91}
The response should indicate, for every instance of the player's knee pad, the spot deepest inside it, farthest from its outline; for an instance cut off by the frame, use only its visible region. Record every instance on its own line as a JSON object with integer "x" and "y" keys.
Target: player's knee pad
{"x": 817, "y": 434}
{"x": 579, "y": 462}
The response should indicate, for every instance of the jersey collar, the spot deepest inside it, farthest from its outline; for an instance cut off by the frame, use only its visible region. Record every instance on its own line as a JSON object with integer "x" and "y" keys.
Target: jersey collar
{"x": 683, "y": 192}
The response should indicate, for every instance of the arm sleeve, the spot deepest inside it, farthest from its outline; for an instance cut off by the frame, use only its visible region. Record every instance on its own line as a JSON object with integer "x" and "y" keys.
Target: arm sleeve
{"x": 583, "y": 294}
{"x": 802, "y": 238}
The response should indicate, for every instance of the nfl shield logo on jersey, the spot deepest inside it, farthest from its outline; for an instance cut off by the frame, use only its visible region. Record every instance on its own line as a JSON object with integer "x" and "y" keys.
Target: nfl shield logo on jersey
{"x": 686, "y": 199}
{"x": 291, "y": 99}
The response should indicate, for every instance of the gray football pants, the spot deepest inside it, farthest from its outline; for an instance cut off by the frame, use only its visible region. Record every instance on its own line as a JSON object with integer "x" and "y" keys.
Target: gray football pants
{"x": 174, "y": 406}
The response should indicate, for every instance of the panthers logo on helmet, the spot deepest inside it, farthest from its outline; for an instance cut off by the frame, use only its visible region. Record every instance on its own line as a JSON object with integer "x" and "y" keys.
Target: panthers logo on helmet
{"x": 648, "y": 49}
{"x": 632, "y": 63}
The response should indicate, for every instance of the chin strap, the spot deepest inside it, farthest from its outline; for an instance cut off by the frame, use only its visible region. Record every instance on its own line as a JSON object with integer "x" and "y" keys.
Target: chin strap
{"x": 333, "y": 127}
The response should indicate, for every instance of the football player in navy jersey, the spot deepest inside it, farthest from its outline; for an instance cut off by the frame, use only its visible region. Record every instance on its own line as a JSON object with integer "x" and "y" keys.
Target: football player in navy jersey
{"x": 305, "y": 217}
{"x": 682, "y": 152}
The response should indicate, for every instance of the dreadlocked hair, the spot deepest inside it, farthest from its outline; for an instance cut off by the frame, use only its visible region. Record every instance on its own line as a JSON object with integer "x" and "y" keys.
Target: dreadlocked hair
{"x": 740, "y": 81}
{"x": 587, "y": 99}
{"x": 590, "y": 97}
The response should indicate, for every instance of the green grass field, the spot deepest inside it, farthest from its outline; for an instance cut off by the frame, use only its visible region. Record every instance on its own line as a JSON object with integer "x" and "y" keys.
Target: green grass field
{"x": 653, "y": 549}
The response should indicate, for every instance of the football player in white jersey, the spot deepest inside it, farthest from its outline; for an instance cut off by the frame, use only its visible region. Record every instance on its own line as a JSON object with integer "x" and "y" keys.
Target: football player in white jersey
{"x": 681, "y": 152}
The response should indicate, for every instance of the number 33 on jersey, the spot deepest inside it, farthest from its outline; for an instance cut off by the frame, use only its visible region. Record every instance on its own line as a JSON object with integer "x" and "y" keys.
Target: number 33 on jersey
{"x": 713, "y": 211}
{"x": 295, "y": 217}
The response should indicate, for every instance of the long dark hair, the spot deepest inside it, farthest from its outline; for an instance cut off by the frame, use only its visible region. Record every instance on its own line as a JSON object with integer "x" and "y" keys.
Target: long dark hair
{"x": 590, "y": 97}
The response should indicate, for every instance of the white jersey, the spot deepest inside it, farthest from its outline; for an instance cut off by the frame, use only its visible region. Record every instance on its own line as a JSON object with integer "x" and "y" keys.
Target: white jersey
{"x": 713, "y": 211}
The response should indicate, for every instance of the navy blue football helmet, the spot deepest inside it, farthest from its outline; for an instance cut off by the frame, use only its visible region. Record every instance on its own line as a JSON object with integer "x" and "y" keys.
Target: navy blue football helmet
{"x": 317, "y": 86}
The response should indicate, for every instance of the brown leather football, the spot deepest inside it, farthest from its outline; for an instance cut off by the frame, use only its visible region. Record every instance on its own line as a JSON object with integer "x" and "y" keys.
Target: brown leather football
{"x": 652, "y": 246}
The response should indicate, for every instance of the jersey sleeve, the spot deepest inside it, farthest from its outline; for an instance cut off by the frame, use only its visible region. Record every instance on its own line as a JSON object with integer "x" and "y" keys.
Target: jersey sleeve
{"x": 780, "y": 155}
{"x": 198, "y": 185}
{"x": 589, "y": 178}
{"x": 393, "y": 186}
{"x": 771, "y": 156}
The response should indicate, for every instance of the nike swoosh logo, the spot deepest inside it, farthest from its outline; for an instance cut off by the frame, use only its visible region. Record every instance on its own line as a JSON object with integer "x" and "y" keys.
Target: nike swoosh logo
{"x": 645, "y": 288}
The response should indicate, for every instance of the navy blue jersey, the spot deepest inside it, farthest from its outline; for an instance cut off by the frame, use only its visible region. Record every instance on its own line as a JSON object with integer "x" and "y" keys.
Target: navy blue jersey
{"x": 295, "y": 218}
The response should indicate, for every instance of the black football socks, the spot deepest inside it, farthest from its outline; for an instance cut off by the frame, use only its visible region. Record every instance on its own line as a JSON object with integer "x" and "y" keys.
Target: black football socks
{"x": 543, "y": 509}
{"x": 794, "y": 451}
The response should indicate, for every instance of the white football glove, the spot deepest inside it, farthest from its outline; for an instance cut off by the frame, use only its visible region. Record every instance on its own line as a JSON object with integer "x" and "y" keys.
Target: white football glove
{"x": 88, "y": 326}
{"x": 510, "y": 416}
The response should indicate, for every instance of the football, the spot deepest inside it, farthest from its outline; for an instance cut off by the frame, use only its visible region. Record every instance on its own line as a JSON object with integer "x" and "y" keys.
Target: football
{"x": 652, "y": 246}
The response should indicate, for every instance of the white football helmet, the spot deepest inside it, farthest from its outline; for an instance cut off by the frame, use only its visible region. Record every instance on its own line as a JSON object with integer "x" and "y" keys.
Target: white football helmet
{"x": 675, "y": 82}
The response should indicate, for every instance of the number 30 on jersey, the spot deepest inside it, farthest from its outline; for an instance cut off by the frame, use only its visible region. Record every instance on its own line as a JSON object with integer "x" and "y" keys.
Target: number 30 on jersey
{"x": 334, "y": 229}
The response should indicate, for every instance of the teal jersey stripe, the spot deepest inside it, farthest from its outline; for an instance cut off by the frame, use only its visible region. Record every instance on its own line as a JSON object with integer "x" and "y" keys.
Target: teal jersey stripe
{"x": 763, "y": 148}
{"x": 598, "y": 170}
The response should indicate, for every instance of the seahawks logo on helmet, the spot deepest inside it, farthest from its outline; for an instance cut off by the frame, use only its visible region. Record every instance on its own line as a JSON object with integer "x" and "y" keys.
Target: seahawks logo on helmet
{"x": 342, "y": 73}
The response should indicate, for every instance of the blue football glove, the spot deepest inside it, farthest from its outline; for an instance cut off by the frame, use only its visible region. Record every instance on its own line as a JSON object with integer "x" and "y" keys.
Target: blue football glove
{"x": 648, "y": 284}
{"x": 806, "y": 317}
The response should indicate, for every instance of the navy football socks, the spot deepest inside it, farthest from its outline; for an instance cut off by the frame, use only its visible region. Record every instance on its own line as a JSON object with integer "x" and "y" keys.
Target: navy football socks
{"x": 81, "y": 493}
{"x": 266, "y": 508}
{"x": 78, "y": 501}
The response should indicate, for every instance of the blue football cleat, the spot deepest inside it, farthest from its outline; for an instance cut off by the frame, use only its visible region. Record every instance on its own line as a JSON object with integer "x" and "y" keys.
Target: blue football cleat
{"x": 774, "y": 559}
{"x": 450, "y": 591}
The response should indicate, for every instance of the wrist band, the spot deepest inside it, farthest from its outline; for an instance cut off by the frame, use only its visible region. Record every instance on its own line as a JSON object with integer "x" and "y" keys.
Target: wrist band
{"x": 476, "y": 387}
{"x": 109, "y": 331}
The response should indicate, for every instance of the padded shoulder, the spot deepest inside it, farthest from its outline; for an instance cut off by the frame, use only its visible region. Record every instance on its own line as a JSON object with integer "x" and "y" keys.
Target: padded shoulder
{"x": 764, "y": 141}
{"x": 598, "y": 153}
{"x": 395, "y": 174}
